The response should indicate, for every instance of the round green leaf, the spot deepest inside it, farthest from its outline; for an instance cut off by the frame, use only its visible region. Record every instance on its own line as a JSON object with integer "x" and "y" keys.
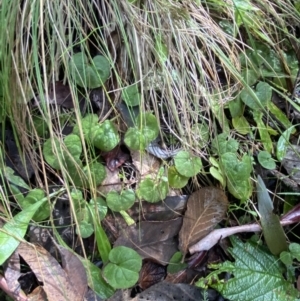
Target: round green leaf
{"x": 131, "y": 95}
{"x": 85, "y": 230}
{"x": 134, "y": 139}
{"x": 99, "y": 205}
{"x": 123, "y": 201}
{"x": 106, "y": 137}
{"x": 102, "y": 68}
{"x": 73, "y": 144}
{"x": 148, "y": 125}
{"x": 87, "y": 123}
{"x": 175, "y": 179}
{"x": 89, "y": 75}
{"x": 123, "y": 270}
{"x": 153, "y": 191}
{"x": 186, "y": 164}
{"x": 51, "y": 154}
{"x": 265, "y": 159}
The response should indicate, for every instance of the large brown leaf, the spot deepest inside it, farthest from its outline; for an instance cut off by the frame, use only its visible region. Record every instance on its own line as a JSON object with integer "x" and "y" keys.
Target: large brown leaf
{"x": 57, "y": 283}
{"x": 205, "y": 208}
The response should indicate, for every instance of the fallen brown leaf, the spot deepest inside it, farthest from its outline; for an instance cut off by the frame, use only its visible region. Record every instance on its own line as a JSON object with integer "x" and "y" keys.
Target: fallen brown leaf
{"x": 56, "y": 282}
{"x": 205, "y": 208}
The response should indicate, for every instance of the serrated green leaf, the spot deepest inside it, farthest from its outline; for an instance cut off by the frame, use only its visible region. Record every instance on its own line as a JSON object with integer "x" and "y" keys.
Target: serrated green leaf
{"x": 123, "y": 270}
{"x": 258, "y": 276}
{"x": 270, "y": 223}
{"x": 186, "y": 164}
{"x": 123, "y": 201}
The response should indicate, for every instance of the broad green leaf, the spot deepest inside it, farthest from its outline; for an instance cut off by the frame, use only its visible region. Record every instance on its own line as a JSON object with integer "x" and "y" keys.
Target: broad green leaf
{"x": 250, "y": 76}
{"x": 123, "y": 201}
{"x": 89, "y": 75}
{"x": 34, "y": 196}
{"x": 131, "y": 95}
{"x": 87, "y": 124}
{"x": 270, "y": 223}
{"x": 217, "y": 174}
{"x": 258, "y": 275}
{"x": 283, "y": 143}
{"x": 102, "y": 69}
{"x": 123, "y": 270}
{"x": 265, "y": 159}
{"x": 96, "y": 281}
{"x": 134, "y": 139}
{"x": 236, "y": 107}
{"x": 10, "y": 176}
{"x": 148, "y": 126}
{"x": 238, "y": 175}
{"x": 186, "y": 164}
{"x": 241, "y": 125}
{"x": 223, "y": 144}
{"x": 286, "y": 258}
{"x": 52, "y": 152}
{"x": 73, "y": 145}
{"x": 14, "y": 230}
{"x": 85, "y": 229}
{"x": 295, "y": 250}
{"x": 106, "y": 137}
{"x": 176, "y": 180}
{"x": 263, "y": 92}
{"x": 153, "y": 191}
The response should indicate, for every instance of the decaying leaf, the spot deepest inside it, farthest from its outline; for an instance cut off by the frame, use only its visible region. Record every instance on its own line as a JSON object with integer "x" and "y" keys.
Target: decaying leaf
{"x": 152, "y": 239}
{"x": 56, "y": 281}
{"x": 146, "y": 164}
{"x": 205, "y": 208}
{"x": 167, "y": 292}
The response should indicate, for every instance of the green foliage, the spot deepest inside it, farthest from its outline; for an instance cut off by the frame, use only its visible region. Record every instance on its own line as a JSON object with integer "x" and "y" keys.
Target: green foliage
{"x": 265, "y": 159}
{"x": 257, "y": 275}
{"x": 283, "y": 143}
{"x": 34, "y": 196}
{"x": 14, "y": 230}
{"x": 288, "y": 257}
{"x": 186, "y": 164}
{"x": 131, "y": 95}
{"x": 123, "y": 201}
{"x": 146, "y": 130}
{"x": 123, "y": 269}
{"x": 105, "y": 136}
{"x": 236, "y": 171}
{"x": 154, "y": 190}
{"x": 176, "y": 180}
{"x": 89, "y": 75}
{"x": 175, "y": 263}
{"x": 201, "y": 133}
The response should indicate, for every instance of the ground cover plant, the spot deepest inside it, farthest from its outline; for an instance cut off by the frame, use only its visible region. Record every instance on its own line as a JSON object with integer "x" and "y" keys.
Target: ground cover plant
{"x": 149, "y": 150}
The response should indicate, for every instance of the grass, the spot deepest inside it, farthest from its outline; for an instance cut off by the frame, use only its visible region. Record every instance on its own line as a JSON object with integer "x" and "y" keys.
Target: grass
{"x": 187, "y": 57}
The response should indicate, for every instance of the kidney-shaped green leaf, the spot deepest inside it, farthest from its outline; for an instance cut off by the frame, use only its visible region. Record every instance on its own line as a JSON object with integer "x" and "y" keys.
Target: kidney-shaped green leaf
{"x": 123, "y": 270}
{"x": 123, "y": 201}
